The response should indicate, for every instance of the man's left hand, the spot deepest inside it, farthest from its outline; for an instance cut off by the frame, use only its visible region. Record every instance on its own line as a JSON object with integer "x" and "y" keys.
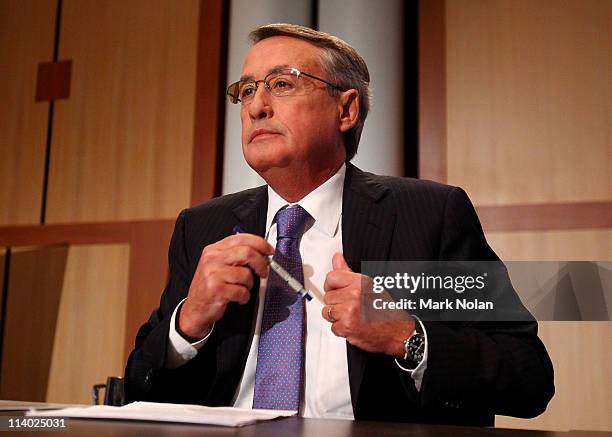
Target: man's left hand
{"x": 343, "y": 310}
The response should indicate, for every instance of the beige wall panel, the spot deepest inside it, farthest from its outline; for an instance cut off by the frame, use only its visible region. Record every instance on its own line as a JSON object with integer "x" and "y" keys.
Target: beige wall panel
{"x": 583, "y": 380}
{"x": 90, "y": 330}
{"x": 26, "y": 38}
{"x": 583, "y": 398}
{"x": 570, "y": 245}
{"x": 528, "y": 100}
{"x": 36, "y": 278}
{"x": 122, "y": 143}
{"x": 2, "y": 260}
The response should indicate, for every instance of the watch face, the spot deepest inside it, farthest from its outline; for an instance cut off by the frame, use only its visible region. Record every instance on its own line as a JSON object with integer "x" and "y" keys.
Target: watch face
{"x": 416, "y": 347}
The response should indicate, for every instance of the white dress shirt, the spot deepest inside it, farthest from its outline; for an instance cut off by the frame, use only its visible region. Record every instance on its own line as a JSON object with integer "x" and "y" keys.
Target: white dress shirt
{"x": 326, "y": 383}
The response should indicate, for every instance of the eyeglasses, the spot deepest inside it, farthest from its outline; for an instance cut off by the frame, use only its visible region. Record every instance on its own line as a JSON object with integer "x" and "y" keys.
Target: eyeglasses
{"x": 281, "y": 83}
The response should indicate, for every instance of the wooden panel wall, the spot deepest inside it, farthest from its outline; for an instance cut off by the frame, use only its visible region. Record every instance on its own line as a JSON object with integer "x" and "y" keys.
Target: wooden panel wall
{"x": 148, "y": 246}
{"x": 65, "y": 323}
{"x": 122, "y": 144}
{"x": 91, "y": 320}
{"x": 136, "y": 141}
{"x": 528, "y": 100}
{"x": 26, "y": 38}
{"x": 522, "y": 119}
{"x": 36, "y": 280}
{"x": 584, "y": 391}
{"x": 573, "y": 245}
{"x": 2, "y": 261}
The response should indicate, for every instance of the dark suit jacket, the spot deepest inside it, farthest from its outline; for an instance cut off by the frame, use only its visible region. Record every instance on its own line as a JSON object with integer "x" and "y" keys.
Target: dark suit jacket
{"x": 474, "y": 370}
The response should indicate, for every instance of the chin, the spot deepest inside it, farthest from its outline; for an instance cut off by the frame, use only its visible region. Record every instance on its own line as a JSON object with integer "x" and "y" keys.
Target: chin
{"x": 263, "y": 166}
{"x": 260, "y": 163}
{"x": 265, "y": 158}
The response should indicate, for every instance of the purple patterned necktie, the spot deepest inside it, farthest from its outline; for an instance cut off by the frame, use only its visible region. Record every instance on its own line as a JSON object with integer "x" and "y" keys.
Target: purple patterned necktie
{"x": 280, "y": 355}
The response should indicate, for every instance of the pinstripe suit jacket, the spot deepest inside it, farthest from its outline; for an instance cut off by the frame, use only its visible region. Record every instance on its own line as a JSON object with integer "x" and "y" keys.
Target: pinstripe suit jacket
{"x": 474, "y": 370}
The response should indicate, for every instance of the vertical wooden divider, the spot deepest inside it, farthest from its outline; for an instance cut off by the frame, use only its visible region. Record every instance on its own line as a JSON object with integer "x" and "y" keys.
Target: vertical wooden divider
{"x": 210, "y": 93}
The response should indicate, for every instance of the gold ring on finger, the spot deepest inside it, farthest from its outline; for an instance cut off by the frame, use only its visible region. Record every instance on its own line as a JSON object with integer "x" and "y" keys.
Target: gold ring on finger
{"x": 329, "y": 314}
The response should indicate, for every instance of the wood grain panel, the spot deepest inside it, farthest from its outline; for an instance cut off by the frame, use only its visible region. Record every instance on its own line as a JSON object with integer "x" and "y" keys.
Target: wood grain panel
{"x": 580, "y": 351}
{"x": 148, "y": 276}
{"x": 122, "y": 144}
{"x": 573, "y": 245}
{"x": 209, "y": 125}
{"x": 36, "y": 279}
{"x": 83, "y": 233}
{"x": 2, "y": 262}
{"x": 432, "y": 91}
{"x": 528, "y": 100}
{"x": 584, "y": 387}
{"x": 26, "y": 38}
{"x": 53, "y": 80}
{"x": 546, "y": 216}
{"x": 90, "y": 330}
{"x": 148, "y": 267}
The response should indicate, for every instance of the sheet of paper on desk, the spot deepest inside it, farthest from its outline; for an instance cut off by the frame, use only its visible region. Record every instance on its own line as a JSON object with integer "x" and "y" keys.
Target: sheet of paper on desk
{"x": 224, "y": 416}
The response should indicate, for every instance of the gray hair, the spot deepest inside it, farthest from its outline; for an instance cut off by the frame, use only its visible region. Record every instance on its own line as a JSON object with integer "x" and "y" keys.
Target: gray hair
{"x": 341, "y": 62}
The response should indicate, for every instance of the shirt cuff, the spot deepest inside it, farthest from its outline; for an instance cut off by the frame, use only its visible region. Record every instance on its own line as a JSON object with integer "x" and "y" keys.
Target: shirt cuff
{"x": 180, "y": 351}
{"x": 418, "y": 371}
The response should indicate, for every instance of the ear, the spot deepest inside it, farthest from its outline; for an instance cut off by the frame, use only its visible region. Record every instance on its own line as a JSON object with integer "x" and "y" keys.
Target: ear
{"x": 348, "y": 108}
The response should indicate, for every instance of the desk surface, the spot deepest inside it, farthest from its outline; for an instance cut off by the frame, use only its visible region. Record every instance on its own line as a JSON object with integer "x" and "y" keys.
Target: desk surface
{"x": 294, "y": 426}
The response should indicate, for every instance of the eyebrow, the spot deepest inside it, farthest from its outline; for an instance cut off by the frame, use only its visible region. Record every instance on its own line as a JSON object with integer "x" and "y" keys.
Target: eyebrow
{"x": 274, "y": 69}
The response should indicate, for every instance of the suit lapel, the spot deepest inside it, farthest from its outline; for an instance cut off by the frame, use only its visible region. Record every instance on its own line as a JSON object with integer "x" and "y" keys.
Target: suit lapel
{"x": 368, "y": 221}
{"x": 251, "y": 212}
{"x": 236, "y": 327}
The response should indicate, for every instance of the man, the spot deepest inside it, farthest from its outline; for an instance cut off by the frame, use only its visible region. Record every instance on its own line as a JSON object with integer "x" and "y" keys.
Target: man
{"x": 229, "y": 332}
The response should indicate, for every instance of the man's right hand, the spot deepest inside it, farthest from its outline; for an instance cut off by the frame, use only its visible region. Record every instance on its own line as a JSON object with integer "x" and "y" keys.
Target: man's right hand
{"x": 224, "y": 274}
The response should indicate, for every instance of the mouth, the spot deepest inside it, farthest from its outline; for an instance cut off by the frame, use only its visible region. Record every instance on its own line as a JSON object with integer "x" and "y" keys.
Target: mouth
{"x": 261, "y": 134}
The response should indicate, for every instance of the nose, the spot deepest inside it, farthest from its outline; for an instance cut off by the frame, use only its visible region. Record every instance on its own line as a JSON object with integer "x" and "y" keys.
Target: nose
{"x": 261, "y": 105}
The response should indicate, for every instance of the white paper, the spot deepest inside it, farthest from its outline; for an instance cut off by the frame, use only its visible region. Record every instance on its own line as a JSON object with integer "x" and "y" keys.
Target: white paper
{"x": 159, "y": 412}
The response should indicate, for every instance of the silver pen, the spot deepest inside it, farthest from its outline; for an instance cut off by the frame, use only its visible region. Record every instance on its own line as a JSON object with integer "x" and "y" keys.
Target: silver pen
{"x": 293, "y": 283}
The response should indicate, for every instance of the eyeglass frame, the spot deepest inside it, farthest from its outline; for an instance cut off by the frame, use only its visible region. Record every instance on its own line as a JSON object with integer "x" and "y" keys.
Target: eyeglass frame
{"x": 235, "y": 99}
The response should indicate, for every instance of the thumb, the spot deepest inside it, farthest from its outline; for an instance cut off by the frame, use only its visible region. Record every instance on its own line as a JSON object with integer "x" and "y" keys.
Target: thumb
{"x": 339, "y": 263}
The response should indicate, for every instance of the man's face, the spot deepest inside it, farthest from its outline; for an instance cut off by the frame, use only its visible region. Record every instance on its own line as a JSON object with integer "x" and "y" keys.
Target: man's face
{"x": 291, "y": 131}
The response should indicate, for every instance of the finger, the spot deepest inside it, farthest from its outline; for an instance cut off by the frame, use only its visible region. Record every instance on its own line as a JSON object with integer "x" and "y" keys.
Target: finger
{"x": 246, "y": 255}
{"x": 337, "y": 329}
{"x": 215, "y": 303}
{"x": 237, "y": 293}
{"x": 339, "y": 279}
{"x": 334, "y": 297}
{"x": 342, "y": 295}
{"x": 328, "y": 312}
{"x": 207, "y": 285}
{"x": 225, "y": 293}
{"x": 255, "y": 241}
{"x": 237, "y": 276}
{"x": 339, "y": 263}
{"x": 339, "y": 312}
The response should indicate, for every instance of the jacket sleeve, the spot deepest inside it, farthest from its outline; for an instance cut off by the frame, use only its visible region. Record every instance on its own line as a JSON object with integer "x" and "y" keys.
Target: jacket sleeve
{"x": 501, "y": 367}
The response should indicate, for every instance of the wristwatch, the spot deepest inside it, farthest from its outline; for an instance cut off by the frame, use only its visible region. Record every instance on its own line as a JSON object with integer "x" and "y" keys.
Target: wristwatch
{"x": 414, "y": 349}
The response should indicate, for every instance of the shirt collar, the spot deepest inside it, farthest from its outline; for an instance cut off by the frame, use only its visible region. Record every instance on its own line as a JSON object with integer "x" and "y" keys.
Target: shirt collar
{"x": 324, "y": 203}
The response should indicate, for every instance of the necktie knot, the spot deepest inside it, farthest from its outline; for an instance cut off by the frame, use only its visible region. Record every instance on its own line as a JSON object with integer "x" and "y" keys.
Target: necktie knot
{"x": 291, "y": 221}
